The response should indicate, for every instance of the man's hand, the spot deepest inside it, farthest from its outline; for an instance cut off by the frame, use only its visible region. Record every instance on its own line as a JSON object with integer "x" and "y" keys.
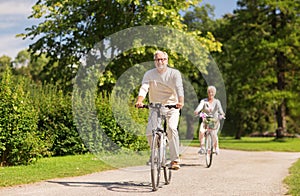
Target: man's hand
{"x": 179, "y": 105}
{"x": 139, "y": 102}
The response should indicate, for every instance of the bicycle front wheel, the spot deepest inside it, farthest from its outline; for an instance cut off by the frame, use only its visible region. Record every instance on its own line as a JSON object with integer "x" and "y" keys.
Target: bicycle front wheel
{"x": 155, "y": 162}
{"x": 208, "y": 148}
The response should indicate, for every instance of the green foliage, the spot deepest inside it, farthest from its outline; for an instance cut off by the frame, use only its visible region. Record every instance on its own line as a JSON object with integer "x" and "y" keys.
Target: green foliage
{"x": 70, "y": 30}
{"x": 19, "y": 143}
{"x": 260, "y": 65}
{"x": 100, "y": 130}
{"x": 55, "y": 122}
{"x": 120, "y": 130}
{"x": 5, "y": 62}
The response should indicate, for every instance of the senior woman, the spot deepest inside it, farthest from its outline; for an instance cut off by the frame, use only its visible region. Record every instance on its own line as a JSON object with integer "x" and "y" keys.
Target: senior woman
{"x": 210, "y": 106}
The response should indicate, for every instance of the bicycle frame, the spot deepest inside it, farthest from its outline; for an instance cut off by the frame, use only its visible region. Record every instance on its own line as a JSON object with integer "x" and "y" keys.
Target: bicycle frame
{"x": 209, "y": 138}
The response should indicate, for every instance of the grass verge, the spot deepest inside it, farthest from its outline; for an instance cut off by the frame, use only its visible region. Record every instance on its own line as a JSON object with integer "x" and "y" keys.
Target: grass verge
{"x": 256, "y": 144}
{"x": 67, "y": 166}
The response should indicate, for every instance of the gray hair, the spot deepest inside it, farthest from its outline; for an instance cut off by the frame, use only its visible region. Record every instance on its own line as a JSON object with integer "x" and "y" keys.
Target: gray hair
{"x": 212, "y": 88}
{"x": 160, "y": 52}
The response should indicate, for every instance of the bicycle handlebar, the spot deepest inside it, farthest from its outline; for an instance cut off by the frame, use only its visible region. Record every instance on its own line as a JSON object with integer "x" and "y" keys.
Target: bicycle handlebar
{"x": 157, "y": 105}
{"x": 204, "y": 115}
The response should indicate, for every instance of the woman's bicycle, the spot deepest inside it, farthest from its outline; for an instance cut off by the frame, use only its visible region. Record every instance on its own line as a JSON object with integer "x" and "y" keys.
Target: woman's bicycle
{"x": 159, "y": 159}
{"x": 210, "y": 125}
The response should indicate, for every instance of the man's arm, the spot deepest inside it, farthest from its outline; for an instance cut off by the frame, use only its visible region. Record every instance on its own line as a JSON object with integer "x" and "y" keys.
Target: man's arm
{"x": 180, "y": 103}
{"x": 179, "y": 90}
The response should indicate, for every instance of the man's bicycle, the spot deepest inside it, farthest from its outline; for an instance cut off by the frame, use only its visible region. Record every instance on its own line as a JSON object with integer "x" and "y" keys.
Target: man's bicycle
{"x": 159, "y": 159}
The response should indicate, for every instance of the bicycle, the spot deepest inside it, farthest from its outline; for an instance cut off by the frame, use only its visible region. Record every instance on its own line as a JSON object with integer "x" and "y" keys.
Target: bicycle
{"x": 158, "y": 157}
{"x": 210, "y": 124}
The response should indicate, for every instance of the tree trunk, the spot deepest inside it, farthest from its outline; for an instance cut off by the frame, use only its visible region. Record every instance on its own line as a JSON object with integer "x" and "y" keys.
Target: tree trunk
{"x": 280, "y": 69}
{"x": 281, "y": 110}
{"x": 238, "y": 134}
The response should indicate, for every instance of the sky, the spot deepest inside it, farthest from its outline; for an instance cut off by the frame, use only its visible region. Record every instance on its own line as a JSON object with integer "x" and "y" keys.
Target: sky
{"x": 14, "y": 19}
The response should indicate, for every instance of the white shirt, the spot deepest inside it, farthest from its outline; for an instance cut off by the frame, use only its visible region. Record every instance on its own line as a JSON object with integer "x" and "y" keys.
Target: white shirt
{"x": 163, "y": 88}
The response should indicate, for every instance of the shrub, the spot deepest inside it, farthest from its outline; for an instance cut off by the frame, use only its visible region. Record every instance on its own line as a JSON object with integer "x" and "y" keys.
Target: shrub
{"x": 55, "y": 122}
{"x": 98, "y": 126}
{"x": 19, "y": 143}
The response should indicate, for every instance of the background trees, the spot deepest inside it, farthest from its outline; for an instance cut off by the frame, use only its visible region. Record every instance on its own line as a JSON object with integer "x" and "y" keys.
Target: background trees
{"x": 266, "y": 50}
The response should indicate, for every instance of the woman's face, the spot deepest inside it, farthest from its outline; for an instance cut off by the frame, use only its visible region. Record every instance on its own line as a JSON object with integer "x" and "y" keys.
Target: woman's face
{"x": 210, "y": 94}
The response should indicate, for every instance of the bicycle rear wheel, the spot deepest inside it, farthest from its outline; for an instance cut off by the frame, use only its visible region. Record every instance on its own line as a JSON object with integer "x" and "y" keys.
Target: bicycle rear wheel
{"x": 208, "y": 148}
{"x": 155, "y": 162}
{"x": 167, "y": 171}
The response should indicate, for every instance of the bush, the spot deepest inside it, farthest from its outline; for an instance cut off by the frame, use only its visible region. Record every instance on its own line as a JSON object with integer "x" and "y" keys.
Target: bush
{"x": 98, "y": 126}
{"x": 56, "y": 126}
{"x": 19, "y": 143}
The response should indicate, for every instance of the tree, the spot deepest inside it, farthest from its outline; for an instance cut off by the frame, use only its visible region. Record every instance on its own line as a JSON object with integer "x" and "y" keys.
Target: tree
{"x": 34, "y": 66}
{"x": 72, "y": 28}
{"x": 200, "y": 19}
{"x": 5, "y": 62}
{"x": 265, "y": 47}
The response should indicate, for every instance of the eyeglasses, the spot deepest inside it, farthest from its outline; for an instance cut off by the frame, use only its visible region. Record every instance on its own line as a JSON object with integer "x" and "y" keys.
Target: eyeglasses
{"x": 163, "y": 59}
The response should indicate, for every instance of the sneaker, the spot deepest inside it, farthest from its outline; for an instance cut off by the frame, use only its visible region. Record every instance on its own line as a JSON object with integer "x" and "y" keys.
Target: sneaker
{"x": 201, "y": 151}
{"x": 174, "y": 165}
{"x": 217, "y": 151}
{"x": 148, "y": 162}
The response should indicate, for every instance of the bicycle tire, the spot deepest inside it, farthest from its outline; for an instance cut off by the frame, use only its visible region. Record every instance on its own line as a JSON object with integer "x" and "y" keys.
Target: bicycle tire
{"x": 167, "y": 171}
{"x": 208, "y": 149}
{"x": 155, "y": 162}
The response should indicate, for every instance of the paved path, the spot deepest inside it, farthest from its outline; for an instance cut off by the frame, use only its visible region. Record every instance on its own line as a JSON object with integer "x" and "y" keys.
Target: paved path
{"x": 233, "y": 173}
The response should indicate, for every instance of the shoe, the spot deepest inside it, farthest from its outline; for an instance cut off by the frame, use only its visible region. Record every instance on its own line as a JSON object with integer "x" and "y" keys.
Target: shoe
{"x": 174, "y": 165}
{"x": 217, "y": 151}
{"x": 148, "y": 162}
{"x": 201, "y": 151}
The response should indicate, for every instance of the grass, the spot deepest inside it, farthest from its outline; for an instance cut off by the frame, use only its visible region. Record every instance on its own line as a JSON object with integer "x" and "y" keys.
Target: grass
{"x": 293, "y": 180}
{"x": 261, "y": 144}
{"x": 68, "y": 166}
{"x": 256, "y": 144}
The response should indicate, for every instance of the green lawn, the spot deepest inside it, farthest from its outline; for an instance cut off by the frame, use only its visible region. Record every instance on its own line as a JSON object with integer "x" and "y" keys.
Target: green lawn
{"x": 256, "y": 144}
{"x": 67, "y": 166}
{"x": 261, "y": 144}
{"x": 57, "y": 167}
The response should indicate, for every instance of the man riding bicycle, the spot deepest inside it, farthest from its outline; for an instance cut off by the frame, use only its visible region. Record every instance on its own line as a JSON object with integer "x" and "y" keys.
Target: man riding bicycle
{"x": 165, "y": 86}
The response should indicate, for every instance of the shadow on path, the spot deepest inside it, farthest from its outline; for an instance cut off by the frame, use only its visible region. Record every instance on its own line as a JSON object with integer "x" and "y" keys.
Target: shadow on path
{"x": 129, "y": 186}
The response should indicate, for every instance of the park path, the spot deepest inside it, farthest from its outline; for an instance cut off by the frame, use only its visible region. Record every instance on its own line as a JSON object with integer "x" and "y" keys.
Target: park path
{"x": 233, "y": 173}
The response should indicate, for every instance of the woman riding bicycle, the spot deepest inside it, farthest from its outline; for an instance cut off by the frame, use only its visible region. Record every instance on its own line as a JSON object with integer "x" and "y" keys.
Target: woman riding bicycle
{"x": 210, "y": 107}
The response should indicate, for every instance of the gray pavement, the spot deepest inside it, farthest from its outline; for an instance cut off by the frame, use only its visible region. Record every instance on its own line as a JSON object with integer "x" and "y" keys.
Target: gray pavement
{"x": 232, "y": 173}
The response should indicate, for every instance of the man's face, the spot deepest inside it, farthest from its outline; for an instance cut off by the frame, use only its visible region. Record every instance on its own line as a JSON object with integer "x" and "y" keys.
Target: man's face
{"x": 161, "y": 62}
